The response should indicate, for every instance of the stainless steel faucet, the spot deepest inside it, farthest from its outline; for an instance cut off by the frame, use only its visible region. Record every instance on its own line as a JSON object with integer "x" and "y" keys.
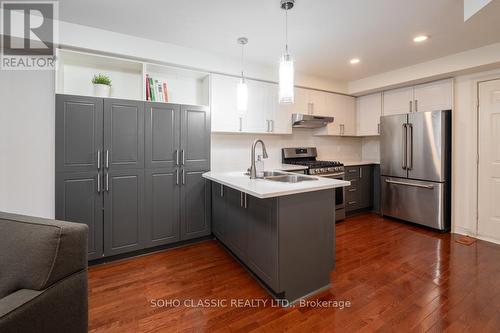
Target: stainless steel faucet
{"x": 253, "y": 172}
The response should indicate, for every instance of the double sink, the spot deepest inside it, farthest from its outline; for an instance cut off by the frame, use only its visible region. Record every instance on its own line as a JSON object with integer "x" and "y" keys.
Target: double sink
{"x": 285, "y": 177}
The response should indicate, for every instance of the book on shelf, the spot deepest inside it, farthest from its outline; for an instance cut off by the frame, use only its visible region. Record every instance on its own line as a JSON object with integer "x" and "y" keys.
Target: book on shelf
{"x": 148, "y": 91}
{"x": 156, "y": 90}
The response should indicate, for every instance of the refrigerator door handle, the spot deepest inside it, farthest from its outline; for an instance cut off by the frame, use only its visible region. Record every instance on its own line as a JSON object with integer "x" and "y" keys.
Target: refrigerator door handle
{"x": 410, "y": 147}
{"x": 430, "y": 187}
{"x": 405, "y": 146}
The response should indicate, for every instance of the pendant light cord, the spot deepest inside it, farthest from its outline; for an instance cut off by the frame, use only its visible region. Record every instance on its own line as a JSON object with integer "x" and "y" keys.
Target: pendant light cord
{"x": 286, "y": 31}
{"x": 242, "y": 54}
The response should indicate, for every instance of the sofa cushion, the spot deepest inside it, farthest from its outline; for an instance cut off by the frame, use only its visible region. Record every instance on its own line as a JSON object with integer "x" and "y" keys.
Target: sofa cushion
{"x": 36, "y": 252}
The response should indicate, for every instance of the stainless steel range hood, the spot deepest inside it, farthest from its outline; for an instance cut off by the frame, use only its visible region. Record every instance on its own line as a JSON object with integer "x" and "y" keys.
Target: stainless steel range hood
{"x": 300, "y": 120}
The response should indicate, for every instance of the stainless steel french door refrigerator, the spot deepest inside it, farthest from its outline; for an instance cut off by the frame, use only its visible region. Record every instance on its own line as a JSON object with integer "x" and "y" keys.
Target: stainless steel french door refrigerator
{"x": 415, "y": 168}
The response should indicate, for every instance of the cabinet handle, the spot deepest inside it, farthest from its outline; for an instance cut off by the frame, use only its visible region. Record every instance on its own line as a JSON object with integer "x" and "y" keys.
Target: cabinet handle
{"x": 98, "y": 182}
{"x": 411, "y": 104}
{"x": 360, "y": 172}
{"x": 241, "y": 199}
{"x": 107, "y": 159}
{"x": 241, "y": 124}
{"x": 351, "y": 202}
{"x": 378, "y": 128}
{"x": 416, "y": 105}
{"x": 183, "y": 157}
{"x": 310, "y": 108}
{"x": 272, "y": 125}
{"x": 107, "y": 181}
{"x": 351, "y": 190}
{"x": 342, "y": 129}
{"x": 176, "y": 176}
{"x": 98, "y": 159}
{"x": 177, "y": 157}
{"x": 183, "y": 177}
{"x": 222, "y": 191}
{"x": 268, "y": 128}
{"x": 245, "y": 200}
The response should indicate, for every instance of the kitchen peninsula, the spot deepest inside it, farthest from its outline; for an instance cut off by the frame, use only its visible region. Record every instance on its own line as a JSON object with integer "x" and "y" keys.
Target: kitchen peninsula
{"x": 282, "y": 228}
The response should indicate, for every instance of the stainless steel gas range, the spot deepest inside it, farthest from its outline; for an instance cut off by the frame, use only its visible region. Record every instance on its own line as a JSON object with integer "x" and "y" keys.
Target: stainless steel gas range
{"x": 306, "y": 156}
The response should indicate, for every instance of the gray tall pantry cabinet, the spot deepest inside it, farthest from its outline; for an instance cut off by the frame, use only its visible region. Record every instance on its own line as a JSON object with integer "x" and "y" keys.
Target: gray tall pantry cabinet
{"x": 131, "y": 171}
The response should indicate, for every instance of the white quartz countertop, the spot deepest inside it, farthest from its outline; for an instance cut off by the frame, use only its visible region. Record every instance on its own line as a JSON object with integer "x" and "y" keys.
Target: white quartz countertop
{"x": 262, "y": 188}
{"x": 355, "y": 163}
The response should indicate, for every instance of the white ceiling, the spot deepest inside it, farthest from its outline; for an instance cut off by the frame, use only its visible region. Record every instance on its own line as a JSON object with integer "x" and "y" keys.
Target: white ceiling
{"x": 323, "y": 34}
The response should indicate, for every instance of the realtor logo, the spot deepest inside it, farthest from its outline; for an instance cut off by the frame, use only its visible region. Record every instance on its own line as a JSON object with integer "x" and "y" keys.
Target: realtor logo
{"x": 28, "y": 35}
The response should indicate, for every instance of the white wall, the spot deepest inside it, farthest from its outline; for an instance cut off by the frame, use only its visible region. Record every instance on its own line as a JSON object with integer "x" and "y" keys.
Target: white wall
{"x": 27, "y": 142}
{"x": 231, "y": 152}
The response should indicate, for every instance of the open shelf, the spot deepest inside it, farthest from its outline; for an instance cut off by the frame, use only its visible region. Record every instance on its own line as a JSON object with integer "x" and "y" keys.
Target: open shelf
{"x": 183, "y": 86}
{"x": 75, "y": 71}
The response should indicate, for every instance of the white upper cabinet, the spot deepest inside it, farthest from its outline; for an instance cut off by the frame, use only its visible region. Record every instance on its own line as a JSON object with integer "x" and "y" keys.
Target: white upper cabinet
{"x": 434, "y": 96}
{"x": 223, "y": 101}
{"x": 302, "y": 102}
{"x": 398, "y": 101}
{"x": 348, "y": 115}
{"x": 263, "y": 115}
{"x": 317, "y": 103}
{"x": 343, "y": 109}
{"x": 369, "y": 110}
{"x": 256, "y": 117}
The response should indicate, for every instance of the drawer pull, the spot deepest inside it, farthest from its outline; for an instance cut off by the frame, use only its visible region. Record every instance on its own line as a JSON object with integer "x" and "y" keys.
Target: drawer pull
{"x": 352, "y": 203}
{"x": 352, "y": 190}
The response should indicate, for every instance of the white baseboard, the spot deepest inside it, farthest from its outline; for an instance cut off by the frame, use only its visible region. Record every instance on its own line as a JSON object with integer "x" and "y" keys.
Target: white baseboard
{"x": 468, "y": 232}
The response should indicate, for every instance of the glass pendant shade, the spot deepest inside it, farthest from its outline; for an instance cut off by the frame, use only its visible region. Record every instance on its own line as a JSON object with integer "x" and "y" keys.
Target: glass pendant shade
{"x": 286, "y": 80}
{"x": 242, "y": 97}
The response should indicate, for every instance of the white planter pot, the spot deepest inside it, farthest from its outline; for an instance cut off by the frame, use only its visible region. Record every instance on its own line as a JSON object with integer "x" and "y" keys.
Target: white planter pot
{"x": 101, "y": 90}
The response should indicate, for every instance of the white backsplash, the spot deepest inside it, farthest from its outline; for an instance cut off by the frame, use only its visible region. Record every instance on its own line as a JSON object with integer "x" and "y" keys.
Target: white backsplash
{"x": 231, "y": 152}
{"x": 370, "y": 150}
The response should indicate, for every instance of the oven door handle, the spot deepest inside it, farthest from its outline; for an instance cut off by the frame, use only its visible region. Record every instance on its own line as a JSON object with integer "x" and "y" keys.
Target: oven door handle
{"x": 332, "y": 175}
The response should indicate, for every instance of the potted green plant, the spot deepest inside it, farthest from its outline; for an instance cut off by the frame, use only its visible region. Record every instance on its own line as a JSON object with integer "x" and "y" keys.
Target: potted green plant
{"x": 102, "y": 85}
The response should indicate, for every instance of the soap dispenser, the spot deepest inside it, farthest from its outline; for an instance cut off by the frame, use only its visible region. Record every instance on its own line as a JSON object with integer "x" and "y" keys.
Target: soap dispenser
{"x": 259, "y": 167}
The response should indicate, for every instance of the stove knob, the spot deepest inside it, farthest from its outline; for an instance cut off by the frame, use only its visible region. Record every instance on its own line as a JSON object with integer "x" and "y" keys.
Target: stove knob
{"x": 312, "y": 171}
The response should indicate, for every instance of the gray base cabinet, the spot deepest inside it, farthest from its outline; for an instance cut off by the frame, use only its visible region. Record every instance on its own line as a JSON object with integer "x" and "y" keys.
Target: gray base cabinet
{"x": 289, "y": 247}
{"x": 79, "y": 199}
{"x": 124, "y": 212}
{"x": 195, "y": 205}
{"x": 131, "y": 171}
{"x": 162, "y": 199}
{"x": 359, "y": 195}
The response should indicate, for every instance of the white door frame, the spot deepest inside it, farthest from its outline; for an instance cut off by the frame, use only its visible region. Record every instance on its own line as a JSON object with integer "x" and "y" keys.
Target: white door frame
{"x": 478, "y": 82}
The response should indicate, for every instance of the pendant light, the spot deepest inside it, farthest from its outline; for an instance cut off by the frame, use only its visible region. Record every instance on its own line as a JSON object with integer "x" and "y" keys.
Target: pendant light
{"x": 242, "y": 88}
{"x": 286, "y": 71}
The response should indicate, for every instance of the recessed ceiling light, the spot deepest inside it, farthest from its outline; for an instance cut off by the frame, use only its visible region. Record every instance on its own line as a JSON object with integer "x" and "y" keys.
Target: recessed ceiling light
{"x": 421, "y": 38}
{"x": 355, "y": 61}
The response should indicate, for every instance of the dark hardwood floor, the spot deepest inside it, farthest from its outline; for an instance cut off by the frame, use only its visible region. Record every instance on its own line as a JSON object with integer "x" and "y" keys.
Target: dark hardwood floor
{"x": 397, "y": 277}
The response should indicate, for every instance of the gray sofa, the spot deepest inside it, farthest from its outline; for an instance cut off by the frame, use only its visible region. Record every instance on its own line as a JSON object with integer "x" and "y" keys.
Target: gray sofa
{"x": 43, "y": 275}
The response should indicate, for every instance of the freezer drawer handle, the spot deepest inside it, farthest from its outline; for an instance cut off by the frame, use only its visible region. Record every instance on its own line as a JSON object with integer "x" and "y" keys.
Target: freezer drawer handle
{"x": 430, "y": 187}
